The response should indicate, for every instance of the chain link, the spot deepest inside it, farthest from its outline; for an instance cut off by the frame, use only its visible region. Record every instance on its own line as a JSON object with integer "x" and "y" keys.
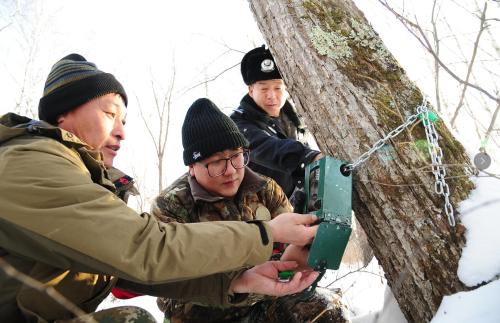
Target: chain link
{"x": 436, "y": 153}
{"x": 379, "y": 144}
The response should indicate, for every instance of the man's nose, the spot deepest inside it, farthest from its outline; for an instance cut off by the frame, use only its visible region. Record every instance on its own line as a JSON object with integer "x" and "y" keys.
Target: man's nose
{"x": 119, "y": 130}
{"x": 271, "y": 95}
{"x": 230, "y": 170}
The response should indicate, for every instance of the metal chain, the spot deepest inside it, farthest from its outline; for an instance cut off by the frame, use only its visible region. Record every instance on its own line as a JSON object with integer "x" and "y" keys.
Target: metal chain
{"x": 379, "y": 144}
{"x": 436, "y": 153}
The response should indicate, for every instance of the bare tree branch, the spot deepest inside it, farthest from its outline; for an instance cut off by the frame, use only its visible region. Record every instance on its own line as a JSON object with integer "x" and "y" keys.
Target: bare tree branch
{"x": 48, "y": 290}
{"x": 419, "y": 34}
{"x": 6, "y": 26}
{"x": 360, "y": 269}
{"x": 211, "y": 79}
{"x": 12, "y": 16}
{"x": 480, "y": 206}
{"x": 482, "y": 26}
{"x": 490, "y": 129}
{"x": 163, "y": 104}
{"x": 144, "y": 119}
{"x": 434, "y": 15}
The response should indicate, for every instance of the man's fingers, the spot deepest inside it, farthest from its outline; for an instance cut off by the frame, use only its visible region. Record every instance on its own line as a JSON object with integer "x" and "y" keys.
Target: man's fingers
{"x": 308, "y": 236}
{"x": 307, "y": 219}
{"x": 286, "y": 265}
{"x": 305, "y": 280}
{"x": 299, "y": 282}
{"x": 310, "y": 275}
{"x": 290, "y": 287}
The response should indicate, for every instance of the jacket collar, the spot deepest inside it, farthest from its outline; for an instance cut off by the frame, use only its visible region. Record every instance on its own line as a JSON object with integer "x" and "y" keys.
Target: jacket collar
{"x": 248, "y": 105}
{"x": 252, "y": 182}
{"x": 13, "y": 125}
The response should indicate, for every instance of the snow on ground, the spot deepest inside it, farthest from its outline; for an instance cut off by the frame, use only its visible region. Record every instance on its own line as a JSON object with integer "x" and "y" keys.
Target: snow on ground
{"x": 480, "y": 259}
{"x": 366, "y": 293}
{"x": 480, "y": 305}
{"x": 146, "y": 302}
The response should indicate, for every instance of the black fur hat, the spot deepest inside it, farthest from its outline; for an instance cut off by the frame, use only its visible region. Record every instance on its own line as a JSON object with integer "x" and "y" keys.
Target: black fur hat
{"x": 258, "y": 65}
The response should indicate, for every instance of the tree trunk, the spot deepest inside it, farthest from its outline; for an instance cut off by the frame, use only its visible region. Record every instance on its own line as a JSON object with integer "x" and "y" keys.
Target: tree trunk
{"x": 352, "y": 92}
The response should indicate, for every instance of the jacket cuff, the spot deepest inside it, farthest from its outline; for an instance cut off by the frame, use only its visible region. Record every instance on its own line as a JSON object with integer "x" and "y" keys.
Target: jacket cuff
{"x": 307, "y": 159}
{"x": 262, "y": 230}
{"x": 230, "y": 298}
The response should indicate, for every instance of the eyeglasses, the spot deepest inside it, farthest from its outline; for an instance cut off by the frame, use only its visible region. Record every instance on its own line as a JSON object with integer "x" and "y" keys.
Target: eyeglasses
{"x": 218, "y": 167}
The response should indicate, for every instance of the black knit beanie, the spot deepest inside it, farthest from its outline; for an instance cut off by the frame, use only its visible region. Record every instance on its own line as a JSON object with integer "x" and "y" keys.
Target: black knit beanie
{"x": 258, "y": 65}
{"x": 207, "y": 130}
{"x": 73, "y": 81}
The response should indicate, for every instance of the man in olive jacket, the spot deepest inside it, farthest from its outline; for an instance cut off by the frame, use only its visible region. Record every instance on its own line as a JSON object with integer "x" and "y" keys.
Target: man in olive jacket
{"x": 62, "y": 224}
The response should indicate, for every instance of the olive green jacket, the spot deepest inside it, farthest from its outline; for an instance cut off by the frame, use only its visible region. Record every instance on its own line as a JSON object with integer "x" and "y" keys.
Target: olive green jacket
{"x": 61, "y": 224}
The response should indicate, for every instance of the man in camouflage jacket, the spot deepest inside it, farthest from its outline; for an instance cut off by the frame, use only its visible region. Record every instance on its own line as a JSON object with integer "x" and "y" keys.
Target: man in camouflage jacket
{"x": 219, "y": 187}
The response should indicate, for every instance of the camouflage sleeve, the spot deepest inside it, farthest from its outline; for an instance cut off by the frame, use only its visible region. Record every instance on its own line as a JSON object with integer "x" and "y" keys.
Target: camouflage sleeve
{"x": 167, "y": 207}
{"x": 276, "y": 200}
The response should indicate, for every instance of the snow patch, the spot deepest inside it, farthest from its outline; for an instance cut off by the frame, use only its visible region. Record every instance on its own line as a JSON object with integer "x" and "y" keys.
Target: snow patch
{"x": 480, "y": 305}
{"x": 480, "y": 261}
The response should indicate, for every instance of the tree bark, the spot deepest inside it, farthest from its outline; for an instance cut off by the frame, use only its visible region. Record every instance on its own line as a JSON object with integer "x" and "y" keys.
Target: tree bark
{"x": 351, "y": 93}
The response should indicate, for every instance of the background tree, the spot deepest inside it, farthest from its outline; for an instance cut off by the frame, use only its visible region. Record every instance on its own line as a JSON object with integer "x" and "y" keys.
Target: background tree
{"x": 157, "y": 121}
{"x": 352, "y": 92}
{"x": 28, "y": 22}
{"x": 468, "y": 60}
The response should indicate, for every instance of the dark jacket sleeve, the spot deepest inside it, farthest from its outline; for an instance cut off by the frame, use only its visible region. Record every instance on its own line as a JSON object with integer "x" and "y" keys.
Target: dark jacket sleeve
{"x": 270, "y": 151}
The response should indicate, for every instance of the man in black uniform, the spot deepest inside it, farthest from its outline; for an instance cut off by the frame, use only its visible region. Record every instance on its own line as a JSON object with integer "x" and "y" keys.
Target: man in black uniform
{"x": 276, "y": 133}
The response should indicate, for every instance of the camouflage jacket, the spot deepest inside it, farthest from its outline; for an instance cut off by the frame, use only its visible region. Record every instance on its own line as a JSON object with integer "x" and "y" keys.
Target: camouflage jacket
{"x": 259, "y": 198}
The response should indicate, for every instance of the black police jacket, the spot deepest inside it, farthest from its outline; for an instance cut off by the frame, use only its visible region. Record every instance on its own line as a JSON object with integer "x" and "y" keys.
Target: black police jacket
{"x": 274, "y": 148}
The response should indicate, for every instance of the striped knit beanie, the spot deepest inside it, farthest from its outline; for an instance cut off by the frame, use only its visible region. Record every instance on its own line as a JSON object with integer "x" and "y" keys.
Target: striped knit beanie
{"x": 207, "y": 130}
{"x": 73, "y": 81}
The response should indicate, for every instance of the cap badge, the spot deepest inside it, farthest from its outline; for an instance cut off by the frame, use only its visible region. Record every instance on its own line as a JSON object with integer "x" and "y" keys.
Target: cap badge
{"x": 267, "y": 65}
{"x": 196, "y": 155}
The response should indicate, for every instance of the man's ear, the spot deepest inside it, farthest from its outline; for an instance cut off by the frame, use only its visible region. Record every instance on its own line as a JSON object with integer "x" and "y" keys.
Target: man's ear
{"x": 191, "y": 170}
{"x": 60, "y": 119}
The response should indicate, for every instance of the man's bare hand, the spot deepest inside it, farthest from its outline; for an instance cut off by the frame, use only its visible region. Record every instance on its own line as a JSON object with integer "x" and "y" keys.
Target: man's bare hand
{"x": 263, "y": 279}
{"x": 298, "y": 254}
{"x": 318, "y": 156}
{"x": 294, "y": 228}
